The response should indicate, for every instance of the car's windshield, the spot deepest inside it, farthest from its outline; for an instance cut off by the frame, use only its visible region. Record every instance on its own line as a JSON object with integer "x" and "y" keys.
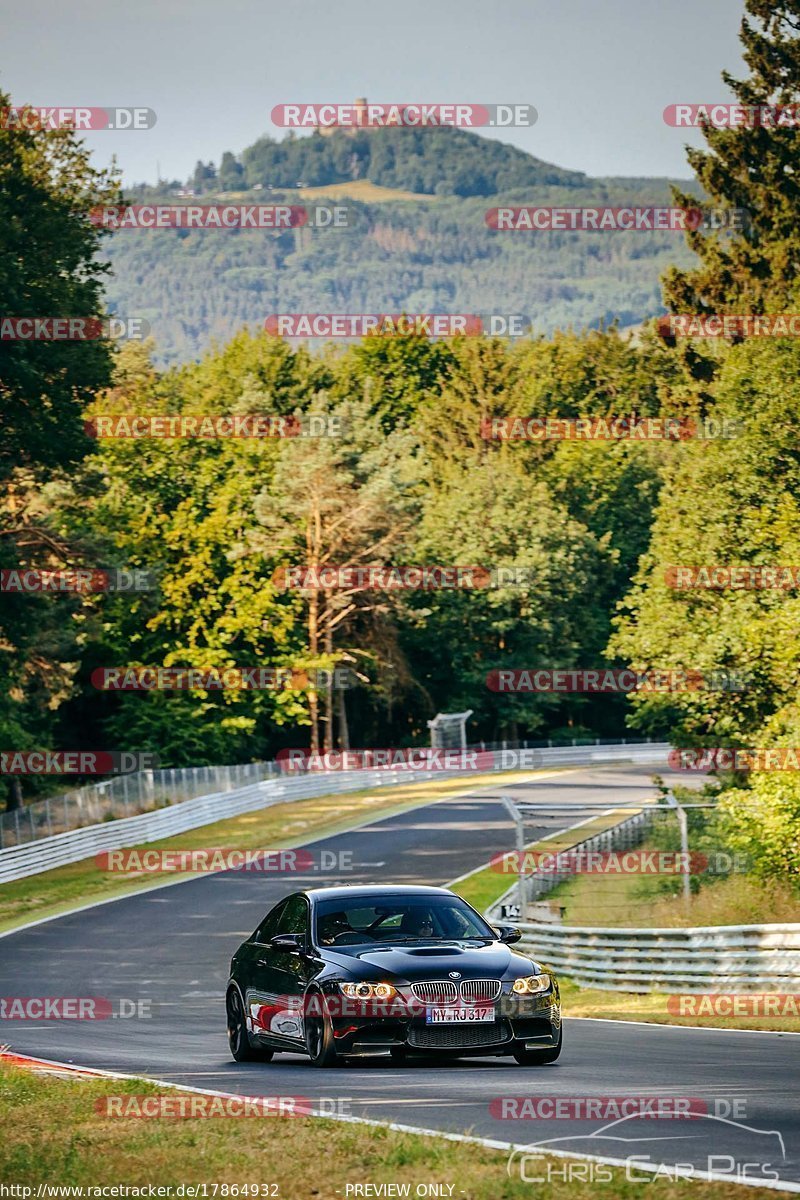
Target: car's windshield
{"x": 381, "y": 919}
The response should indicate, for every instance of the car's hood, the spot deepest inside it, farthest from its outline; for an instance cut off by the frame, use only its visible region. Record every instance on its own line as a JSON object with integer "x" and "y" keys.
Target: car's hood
{"x": 494, "y": 960}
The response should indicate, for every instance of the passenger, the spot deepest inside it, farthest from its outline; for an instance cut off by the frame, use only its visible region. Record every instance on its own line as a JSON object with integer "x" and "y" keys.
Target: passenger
{"x": 417, "y": 922}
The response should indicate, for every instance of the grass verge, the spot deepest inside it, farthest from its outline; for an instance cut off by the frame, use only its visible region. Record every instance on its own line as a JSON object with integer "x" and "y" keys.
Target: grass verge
{"x": 652, "y": 1008}
{"x": 53, "y": 1135}
{"x": 656, "y": 902}
{"x": 281, "y": 825}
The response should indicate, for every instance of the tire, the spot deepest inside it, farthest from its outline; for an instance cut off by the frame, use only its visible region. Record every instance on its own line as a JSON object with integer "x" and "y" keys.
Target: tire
{"x": 538, "y": 1058}
{"x": 318, "y": 1032}
{"x": 238, "y": 1037}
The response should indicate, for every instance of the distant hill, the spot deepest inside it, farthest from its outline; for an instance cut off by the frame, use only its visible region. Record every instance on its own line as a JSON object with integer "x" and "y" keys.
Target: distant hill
{"x": 419, "y": 241}
{"x": 440, "y": 162}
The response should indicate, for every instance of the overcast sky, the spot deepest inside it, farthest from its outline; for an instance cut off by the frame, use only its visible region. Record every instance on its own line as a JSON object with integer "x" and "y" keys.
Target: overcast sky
{"x": 599, "y": 72}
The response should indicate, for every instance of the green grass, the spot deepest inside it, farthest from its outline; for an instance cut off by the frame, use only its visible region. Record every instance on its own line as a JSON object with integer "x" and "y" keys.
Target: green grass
{"x": 652, "y": 1008}
{"x": 644, "y": 901}
{"x": 282, "y": 825}
{"x": 54, "y": 1135}
{"x": 361, "y": 189}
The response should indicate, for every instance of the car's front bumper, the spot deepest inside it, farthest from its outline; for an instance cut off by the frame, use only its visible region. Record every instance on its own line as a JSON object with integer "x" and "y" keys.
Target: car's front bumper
{"x": 363, "y": 1028}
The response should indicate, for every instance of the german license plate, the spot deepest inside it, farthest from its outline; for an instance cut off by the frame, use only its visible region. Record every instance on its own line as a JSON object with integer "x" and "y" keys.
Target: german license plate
{"x": 458, "y": 1016}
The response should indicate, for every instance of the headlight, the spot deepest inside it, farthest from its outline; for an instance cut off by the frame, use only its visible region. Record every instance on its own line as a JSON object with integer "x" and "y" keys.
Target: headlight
{"x": 531, "y": 985}
{"x": 368, "y": 991}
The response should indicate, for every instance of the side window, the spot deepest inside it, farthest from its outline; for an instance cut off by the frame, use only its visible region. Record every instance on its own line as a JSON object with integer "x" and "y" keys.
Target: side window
{"x": 269, "y": 926}
{"x": 294, "y": 917}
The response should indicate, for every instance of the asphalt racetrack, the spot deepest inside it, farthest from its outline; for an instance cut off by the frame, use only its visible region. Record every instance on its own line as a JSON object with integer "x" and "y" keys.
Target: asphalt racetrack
{"x": 172, "y": 947}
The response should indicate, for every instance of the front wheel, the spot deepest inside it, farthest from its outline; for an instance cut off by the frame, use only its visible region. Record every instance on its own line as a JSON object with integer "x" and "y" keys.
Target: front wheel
{"x": 538, "y": 1058}
{"x": 238, "y": 1040}
{"x": 319, "y": 1033}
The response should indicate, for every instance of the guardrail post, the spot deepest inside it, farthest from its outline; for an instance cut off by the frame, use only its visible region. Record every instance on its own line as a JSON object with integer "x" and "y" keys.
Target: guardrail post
{"x": 517, "y": 818}
{"x": 683, "y": 824}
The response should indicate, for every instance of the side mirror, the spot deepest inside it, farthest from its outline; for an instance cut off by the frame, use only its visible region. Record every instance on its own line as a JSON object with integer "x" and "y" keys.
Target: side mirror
{"x": 508, "y": 934}
{"x": 287, "y": 941}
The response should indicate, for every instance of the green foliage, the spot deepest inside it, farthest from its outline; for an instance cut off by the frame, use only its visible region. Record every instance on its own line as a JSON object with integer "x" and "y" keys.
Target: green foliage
{"x": 754, "y": 169}
{"x": 48, "y": 267}
{"x": 197, "y": 287}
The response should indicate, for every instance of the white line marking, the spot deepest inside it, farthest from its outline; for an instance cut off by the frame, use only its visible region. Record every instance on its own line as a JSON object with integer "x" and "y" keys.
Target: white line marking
{"x": 667, "y": 1025}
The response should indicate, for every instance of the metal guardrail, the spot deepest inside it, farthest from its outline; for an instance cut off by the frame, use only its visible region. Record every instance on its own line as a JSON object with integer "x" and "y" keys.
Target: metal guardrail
{"x": 715, "y": 958}
{"x": 723, "y": 958}
{"x": 142, "y": 791}
{"x": 124, "y": 796}
{"x": 18, "y": 862}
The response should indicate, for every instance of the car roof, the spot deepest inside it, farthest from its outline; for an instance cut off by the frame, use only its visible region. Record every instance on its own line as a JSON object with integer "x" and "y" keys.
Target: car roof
{"x": 350, "y": 891}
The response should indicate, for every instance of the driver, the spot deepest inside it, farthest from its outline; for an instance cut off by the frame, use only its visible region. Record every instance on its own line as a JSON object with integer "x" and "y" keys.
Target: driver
{"x": 331, "y": 926}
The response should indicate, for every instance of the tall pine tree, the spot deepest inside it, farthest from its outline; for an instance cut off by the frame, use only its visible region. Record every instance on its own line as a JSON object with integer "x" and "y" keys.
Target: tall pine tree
{"x": 755, "y": 168}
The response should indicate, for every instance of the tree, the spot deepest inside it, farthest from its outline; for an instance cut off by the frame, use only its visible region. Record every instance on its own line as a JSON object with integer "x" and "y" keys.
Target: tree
{"x": 231, "y": 173}
{"x": 183, "y": 508}
{"x": 337, "y": 501}
{"x": 49, "y": 267}
{"x": 711, "y": 512}
{"x": 204, "y": 177}
{"x": 753, "y": 168}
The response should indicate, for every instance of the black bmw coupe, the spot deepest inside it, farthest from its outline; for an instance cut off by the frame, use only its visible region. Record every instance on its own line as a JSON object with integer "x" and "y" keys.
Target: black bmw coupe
{"x": 346, "y": 972}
